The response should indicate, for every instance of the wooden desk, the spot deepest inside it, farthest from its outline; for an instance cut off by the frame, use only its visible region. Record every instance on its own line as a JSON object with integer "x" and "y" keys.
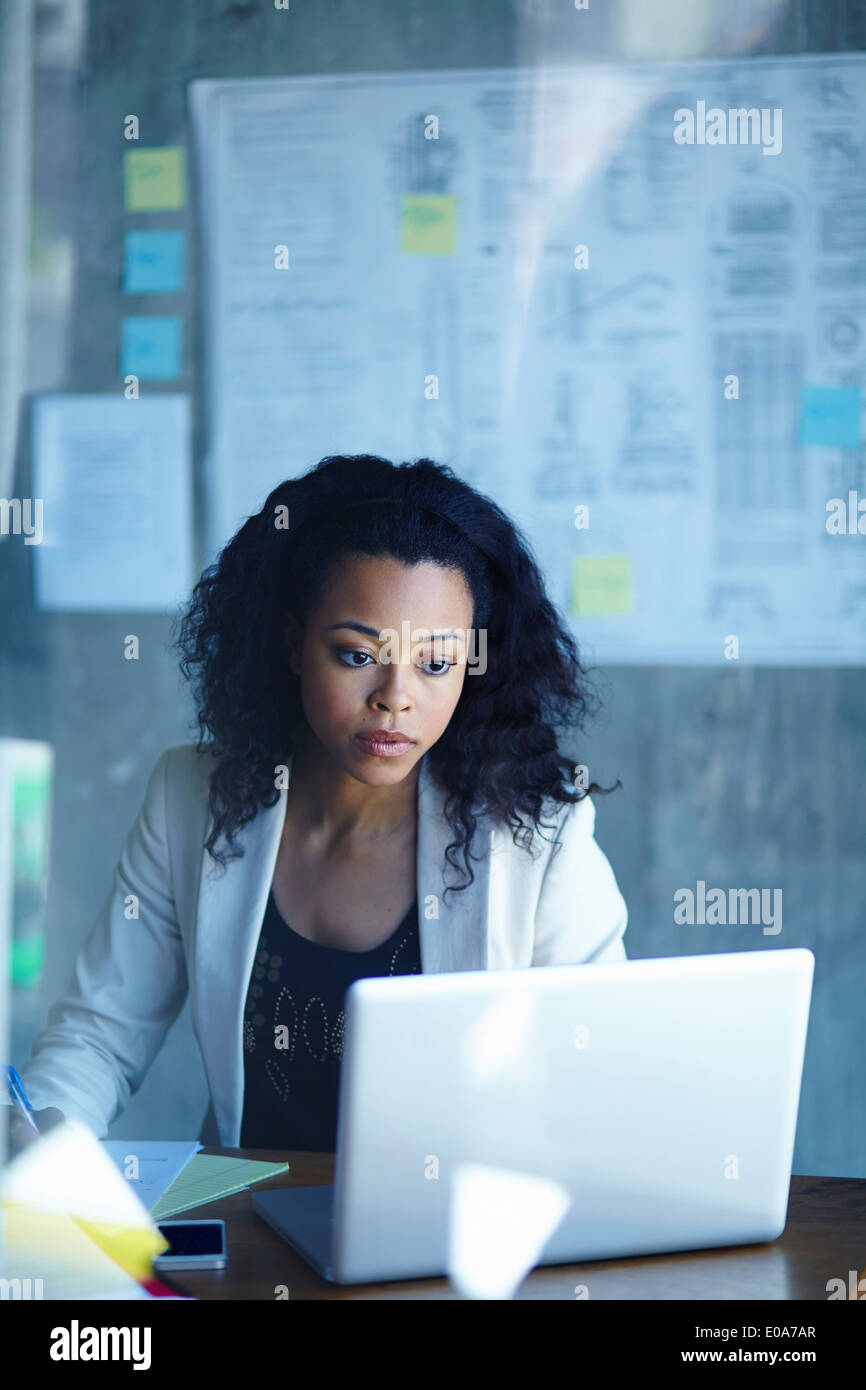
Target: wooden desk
{"x": 825, "y": 1238}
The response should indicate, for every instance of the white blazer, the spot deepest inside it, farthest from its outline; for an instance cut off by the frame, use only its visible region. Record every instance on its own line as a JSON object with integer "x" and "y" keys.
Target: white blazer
{"x": 197, "y": 932}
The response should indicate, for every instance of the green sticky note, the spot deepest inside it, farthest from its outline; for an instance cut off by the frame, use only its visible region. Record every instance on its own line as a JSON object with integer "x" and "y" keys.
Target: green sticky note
{"x": 154, "y": 179}
{"x": 429, "y": 224}
{"x": 602, "y": 584}
{"x": 26, "y": 961}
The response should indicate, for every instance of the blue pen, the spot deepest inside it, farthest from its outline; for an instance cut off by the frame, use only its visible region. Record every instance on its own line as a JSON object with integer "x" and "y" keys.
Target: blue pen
{"x": 19, "y": 1097}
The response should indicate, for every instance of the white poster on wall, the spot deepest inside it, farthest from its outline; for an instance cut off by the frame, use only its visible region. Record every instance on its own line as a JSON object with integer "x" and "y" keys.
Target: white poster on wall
{"x": 629, "y": 303}
{"x": 113, "y": 500}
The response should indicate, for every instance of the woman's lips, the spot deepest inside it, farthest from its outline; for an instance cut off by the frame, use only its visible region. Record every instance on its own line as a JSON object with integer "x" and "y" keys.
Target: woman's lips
{"x": 383, "y": 748}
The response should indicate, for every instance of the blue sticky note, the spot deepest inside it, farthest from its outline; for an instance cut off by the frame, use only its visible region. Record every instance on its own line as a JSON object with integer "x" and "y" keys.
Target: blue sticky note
{"x": 153, "y": 262}
{"x": 150, "y": 347}
{"x": 830, "y": 416}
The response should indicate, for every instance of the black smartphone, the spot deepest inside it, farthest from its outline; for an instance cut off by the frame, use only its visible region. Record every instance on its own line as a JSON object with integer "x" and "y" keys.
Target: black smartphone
{"x": 192, "y": 1245}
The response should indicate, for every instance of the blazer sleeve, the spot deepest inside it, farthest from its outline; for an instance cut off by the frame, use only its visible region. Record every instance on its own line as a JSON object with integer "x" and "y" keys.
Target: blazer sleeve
{"x": 128, "y": 986}
{"x": 581, "y": 914}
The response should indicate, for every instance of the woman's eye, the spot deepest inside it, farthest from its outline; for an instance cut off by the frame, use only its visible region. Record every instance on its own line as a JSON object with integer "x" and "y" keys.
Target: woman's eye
{"x": 446, "y": 666}
{"x": 346, "y": 655}
{"x": 355, "y": 652}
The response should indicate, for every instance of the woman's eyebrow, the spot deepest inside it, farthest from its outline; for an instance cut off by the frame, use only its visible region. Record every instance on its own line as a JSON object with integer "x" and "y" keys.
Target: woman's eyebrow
{"x": 374, "y": 632}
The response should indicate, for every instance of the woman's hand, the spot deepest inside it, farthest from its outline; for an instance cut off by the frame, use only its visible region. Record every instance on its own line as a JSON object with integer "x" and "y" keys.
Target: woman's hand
{"x": 21, "y": 1133}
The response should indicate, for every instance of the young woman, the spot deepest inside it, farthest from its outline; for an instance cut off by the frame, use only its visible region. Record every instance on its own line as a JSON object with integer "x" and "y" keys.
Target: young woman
{"x": 376, "y": 789}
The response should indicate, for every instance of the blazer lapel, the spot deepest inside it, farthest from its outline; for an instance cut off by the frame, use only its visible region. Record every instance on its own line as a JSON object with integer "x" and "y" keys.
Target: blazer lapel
{"x": 229, "y": 915}
{"x": 231, "y": 906}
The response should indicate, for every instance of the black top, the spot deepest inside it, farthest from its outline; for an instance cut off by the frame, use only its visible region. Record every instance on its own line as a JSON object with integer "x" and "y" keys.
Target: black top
{"x": 291, "y": 1078}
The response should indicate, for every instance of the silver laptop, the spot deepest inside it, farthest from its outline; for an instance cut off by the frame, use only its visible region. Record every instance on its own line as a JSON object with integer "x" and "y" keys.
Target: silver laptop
{"x": 662, "y": 1095}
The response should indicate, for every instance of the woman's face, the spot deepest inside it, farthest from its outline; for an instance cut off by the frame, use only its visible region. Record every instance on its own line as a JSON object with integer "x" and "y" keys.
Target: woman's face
{"x": 385, "y": 651}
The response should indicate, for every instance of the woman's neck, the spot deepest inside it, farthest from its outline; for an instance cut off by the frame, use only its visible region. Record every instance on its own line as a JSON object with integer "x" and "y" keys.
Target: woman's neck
{"x": 333, "y": 805}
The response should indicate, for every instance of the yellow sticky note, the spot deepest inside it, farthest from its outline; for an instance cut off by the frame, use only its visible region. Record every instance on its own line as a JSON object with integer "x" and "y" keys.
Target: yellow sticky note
{"x": 53, "y": 1258}
{"x": 133, "y": 1249}
{"x": 69, "y": 1174}
{"x": 429, "y": 224}
{"x": 154, "y": 178}
{"x": 602, "y": 584}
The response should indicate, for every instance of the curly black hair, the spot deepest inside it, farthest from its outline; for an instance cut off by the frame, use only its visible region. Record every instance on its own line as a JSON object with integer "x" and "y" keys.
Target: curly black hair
{"x": 499, "y": 755}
